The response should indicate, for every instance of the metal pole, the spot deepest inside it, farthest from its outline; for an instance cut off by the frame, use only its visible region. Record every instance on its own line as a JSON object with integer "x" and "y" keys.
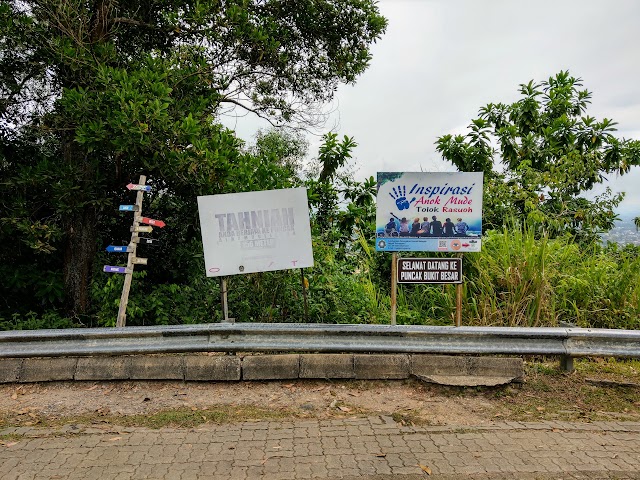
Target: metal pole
{"x": 128, "y": 276}
{"x": 224, "y": 301}
{"x": 304, "y": 295}
{"x": 394, "y": 286}
{"x": 459, "y": 301}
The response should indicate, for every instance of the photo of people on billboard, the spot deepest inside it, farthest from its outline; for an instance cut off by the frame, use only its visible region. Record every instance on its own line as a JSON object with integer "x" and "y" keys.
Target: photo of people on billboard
{"x": 429, "y": 212}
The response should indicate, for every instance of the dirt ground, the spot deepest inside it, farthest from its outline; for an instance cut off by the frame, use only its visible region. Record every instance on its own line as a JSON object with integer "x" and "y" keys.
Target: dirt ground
{"x": 319, "y": 399}
{"x": 588, "y": 394}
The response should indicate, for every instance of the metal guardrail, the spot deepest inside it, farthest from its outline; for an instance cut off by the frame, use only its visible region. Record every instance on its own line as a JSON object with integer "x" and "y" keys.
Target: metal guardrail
{"x": 261, "y": 337}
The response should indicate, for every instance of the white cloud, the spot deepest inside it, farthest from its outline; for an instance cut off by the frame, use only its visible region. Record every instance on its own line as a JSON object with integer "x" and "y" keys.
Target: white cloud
{"x": 440, "y": 61}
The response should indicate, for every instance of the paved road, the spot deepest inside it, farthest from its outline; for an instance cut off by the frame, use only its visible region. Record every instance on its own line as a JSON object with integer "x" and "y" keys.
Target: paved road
{"x": 370, "y": 448}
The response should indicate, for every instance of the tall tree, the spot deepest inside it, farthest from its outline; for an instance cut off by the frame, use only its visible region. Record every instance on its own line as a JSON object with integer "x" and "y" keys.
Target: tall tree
{"x": 540, "y": 154}
{"x": 92, "y": 94}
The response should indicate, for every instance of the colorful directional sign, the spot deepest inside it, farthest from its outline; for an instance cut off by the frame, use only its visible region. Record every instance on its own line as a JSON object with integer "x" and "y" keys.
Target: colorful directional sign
{"x": 133, "y": 186}
{"x": 118, "y": 248}
{"x": 141, "y": 229}
{"x": 154, "y": 242}
{"x": 112, "y": 269}
{"x": 151, "y": 221}
{"x": 127, "y": 208}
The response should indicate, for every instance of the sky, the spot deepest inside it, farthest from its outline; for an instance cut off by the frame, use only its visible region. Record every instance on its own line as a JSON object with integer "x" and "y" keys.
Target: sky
{"x": 441, "y": 60}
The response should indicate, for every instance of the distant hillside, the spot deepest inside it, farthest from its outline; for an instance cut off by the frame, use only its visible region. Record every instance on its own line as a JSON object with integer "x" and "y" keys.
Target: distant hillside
{"x": 623, "y": 233}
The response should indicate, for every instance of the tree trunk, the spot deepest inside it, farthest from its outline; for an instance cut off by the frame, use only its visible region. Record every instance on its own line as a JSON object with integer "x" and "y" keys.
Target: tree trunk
{"x": 80, "y": 229}
{"x": 80, "y": 250}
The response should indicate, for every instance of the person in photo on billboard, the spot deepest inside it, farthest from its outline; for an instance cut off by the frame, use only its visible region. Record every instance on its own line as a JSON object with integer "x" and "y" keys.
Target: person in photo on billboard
{"x": 424, "y": 227}
{"x": 436, "y": 227}
{"x": 461, "y": 228}
{"x": 449, "y": 228}
{"x": 404, "y": 227}
{"x": 390, "y": 227}
{"x": 415, "y": 227}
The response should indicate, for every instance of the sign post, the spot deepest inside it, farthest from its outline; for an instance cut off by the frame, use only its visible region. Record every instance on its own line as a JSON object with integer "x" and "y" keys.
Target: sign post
{"x": 132, "y": 259}
{"x": 224, "y": 301}
{"x": 394, "y": 286}
{"x": 459, "y": 296}
{"x": 252, "y": 232}
{"x": 428, "y": 212}
{"x": 431, "y": 270}
{"x": 124, "y": 298}
{"x": 305, "y": 285}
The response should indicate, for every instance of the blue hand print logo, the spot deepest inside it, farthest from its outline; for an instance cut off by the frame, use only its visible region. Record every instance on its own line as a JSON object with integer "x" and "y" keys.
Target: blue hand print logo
{"x": 400, "y": 196}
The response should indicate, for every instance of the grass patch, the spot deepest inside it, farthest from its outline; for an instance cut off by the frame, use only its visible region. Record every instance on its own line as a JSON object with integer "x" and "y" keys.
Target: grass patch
{"x": 611, "y": 367}
{"x": 10, "y": 437}
{"x": 408, "y": 417}
{"x": 549, "y": 394}
{"x": 185, "y": 418}
{"x": 173, "y": 418}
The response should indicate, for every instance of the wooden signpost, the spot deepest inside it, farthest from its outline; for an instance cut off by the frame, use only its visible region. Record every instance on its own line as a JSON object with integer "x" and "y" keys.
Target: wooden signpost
{"x": 427, "y": 270}
{"x": 428, "y": 212}
{"x": 140, "y": 188}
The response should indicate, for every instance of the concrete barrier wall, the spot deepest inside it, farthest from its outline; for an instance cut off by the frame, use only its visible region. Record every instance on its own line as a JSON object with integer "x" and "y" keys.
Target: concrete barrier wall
{"x": 193, "y": 367}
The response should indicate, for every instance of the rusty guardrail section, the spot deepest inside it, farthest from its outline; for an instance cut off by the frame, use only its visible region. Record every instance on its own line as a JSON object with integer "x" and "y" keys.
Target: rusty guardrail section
{"x": 274, "y": 337}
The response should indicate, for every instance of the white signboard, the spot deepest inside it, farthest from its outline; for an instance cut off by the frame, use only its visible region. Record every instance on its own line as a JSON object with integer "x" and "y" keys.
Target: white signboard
{"x": 255, "y": 231}
{"x": 429, "y": 212}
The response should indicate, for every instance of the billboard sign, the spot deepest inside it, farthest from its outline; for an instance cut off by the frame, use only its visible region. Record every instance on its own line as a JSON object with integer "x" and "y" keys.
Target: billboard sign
{"x": 255, "y": 231}
{"x": 429, "y": 212}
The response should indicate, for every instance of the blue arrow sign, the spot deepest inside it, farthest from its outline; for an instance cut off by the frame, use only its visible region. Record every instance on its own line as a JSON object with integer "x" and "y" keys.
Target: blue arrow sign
{"x": 118, "y": 248}
{"x": 127, "y": 208}
{"x": 112, "y": 269}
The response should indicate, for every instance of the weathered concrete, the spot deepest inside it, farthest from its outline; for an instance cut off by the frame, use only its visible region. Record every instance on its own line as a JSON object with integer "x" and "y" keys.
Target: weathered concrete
{"x": 270, "y": 367}
{"x": 48, "y": 369}
{"x": 212, "y": 368}
{"x": 467, "y": 371}
{"x": 103, "y": 368}
{"x": 10, "y": 369}
{"x": 327, "y": 365}
{"x": 496, "y": 366}
{"x": 370, "y": 367}
{"x": 437, "y": 365}
{"x": 449, "y": 370}
{"x": 157, "y": 367}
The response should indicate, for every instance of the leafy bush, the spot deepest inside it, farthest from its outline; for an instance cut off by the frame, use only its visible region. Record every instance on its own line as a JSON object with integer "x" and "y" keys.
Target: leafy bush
{"x": 33, "y": 321}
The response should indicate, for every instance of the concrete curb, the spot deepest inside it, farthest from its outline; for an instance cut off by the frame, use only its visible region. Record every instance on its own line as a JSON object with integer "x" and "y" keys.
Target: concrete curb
{"x": 466, "y": 371}
{"x": 371, "y": 367}
{"x": 450, "y": 370}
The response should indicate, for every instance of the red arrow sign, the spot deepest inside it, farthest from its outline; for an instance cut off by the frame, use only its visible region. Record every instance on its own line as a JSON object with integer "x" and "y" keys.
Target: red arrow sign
{"x": 144, "y": 188}
{"x": 151, "y": 221}
{"x": 466, "y": 245}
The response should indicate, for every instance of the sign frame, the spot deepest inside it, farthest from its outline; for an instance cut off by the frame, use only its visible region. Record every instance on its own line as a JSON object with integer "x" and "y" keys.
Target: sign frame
{"x": 429, "y": 212}
{"x": 429, "y": 270}
{"x": 252, "y": 232}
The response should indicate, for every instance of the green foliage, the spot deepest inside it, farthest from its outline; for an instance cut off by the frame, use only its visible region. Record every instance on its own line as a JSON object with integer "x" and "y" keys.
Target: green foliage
{"x": 34, "y": 321}
{"x": 603, "y": 290}
{"x": 551, "y": 153}
{"x": 521, "y": 280}
{"x": 342, "y": 208}
{"x": 94, "y": 94}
